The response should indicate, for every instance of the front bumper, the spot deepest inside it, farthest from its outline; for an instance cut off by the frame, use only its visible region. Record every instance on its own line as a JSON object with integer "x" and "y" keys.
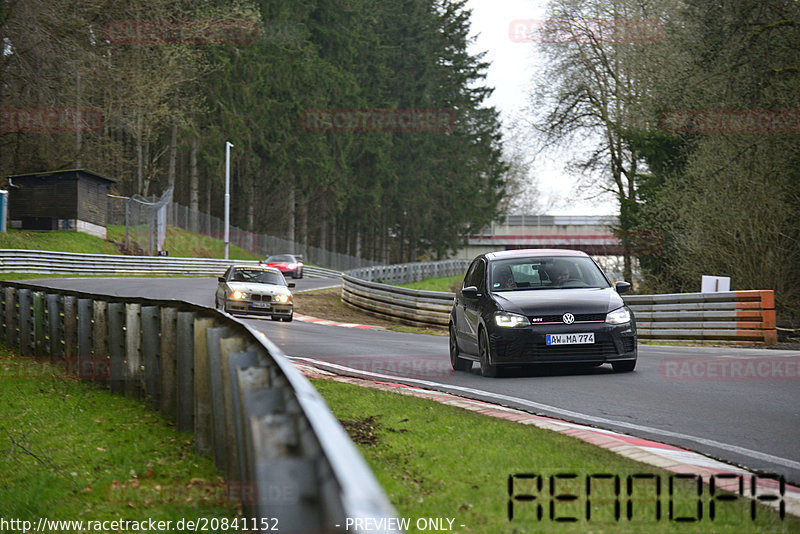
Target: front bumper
{"x": 527, "y": 345}
{"x": 259, "y": 308}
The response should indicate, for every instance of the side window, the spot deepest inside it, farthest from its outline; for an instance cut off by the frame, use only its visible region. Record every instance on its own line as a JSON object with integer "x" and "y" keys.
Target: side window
{"x": 479, "y": 276}
{"x": 469, "y": 276}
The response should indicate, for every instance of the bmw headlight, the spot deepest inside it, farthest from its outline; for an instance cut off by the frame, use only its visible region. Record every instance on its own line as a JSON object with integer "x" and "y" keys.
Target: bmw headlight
{"x": 619, "y": 316}
{"x": 283, "y": 299}
{"x": 238, "y": 295}
{"x": 510, "y": 320}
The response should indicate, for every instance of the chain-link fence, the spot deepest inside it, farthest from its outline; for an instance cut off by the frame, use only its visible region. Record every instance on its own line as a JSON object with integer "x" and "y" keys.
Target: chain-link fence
{"x": 142, "y": 229}
{"x": 145, "y": 221}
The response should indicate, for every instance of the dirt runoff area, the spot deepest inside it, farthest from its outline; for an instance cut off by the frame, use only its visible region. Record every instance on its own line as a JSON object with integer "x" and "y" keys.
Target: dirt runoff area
{"x": 327, "y": 304}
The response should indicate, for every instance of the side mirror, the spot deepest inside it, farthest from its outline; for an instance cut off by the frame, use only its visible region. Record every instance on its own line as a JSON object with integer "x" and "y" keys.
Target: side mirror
{"x": 622, "y": 287}
{"x": 470, "y": 292}
{"x": 220, "y": 279}
{"x": 290, "y": 284}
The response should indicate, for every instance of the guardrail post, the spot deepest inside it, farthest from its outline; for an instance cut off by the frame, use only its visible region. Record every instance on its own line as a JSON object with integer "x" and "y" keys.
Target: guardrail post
{"x": 214, "y": 337}
{"x": 184, "y": 373}
{"x": 39, "y": 325}
{"x": 151, "y": 344}
{"x": 287, "y": 484}
{"x": 85, "y": 313}
{"x": 25, "y": 322}
{"x": 70, "y": 328}
{"x": 101, "y": 364}
{"x": 133, "y": 354}
{"x": 228, "y": 346}
{"x": 251, "y": 380}
{"x": 116, "y": 346}
{"x": 54, "y": 322}
{"x": 203, "y": 424}
{"x": 236, "y": 361}
{"x": 169, "y": 344}
{"x": 11, "y": 317}
{"x": 2, "y": 313}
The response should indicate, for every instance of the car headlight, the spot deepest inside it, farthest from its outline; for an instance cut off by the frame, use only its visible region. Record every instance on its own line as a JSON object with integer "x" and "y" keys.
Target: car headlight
{"x": 619, "y": 316}
{"x": 283, "y": 299}
{"x": 511, "y": 320}
{"x": 238, "y": 295}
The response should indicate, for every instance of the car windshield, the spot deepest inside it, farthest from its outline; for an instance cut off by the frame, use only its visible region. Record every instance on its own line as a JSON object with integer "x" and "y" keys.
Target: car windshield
{"x": 258, "y": 276}
{"x": 280, "y": 259}
{"x": 547, "y": 272}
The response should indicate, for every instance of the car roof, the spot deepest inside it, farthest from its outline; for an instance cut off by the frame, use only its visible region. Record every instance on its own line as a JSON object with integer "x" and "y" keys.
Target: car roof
{"x": 533, "y": 252}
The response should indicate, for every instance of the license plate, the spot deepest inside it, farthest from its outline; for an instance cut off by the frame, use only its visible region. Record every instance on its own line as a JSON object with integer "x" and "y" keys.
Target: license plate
{"x": 570, "y": 339}
{"x": 260, "y": 304}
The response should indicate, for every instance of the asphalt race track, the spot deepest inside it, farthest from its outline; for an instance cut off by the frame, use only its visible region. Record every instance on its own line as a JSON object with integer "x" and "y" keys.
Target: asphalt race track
{"x": 684, "y": 396}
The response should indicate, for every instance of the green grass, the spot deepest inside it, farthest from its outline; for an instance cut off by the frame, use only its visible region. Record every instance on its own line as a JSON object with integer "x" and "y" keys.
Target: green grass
{"x": 444, "y": 462}
{"x": 69, "y": 450}
{"x": 449, "y": 284}
{"x": 179, "y": 243}
{"x": 58, "y": 241}
{"x": 182, "y": 243}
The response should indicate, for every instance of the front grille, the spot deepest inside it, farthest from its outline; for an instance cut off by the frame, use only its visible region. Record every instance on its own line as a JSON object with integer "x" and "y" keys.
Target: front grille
{"x": 579, "y": 318}
{"x": 603, "y": 348}
{"x": 260, "y": 298}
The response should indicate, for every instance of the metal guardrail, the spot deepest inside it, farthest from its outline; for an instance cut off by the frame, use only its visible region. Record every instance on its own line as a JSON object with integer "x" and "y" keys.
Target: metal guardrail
{"x": 47, "y": 262}
{"x": 249, "y": 408}
{"x": 732, "y": 316}
{"x": 407, "y": 273}
{"x": 408, "y": 306}
{"x": 735, "y": 316}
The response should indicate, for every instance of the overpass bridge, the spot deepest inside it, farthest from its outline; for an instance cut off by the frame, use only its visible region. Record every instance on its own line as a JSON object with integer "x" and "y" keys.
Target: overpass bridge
{"x": 589, "y": 233}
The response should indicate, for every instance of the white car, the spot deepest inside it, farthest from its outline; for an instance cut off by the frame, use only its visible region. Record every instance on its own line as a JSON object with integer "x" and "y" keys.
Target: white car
{"x": 255, "y": 291}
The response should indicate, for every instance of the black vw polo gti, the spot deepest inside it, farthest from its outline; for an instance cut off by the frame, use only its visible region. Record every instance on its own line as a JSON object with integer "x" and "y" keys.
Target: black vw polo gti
{"x": 521, "y": 307}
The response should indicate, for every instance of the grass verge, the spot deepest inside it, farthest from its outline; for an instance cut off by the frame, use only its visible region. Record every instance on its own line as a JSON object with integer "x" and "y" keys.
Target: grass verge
{"x": 438, "y": 461}
{"x": 184, "y": 244}
{"x": 449, "y": 284}
{"x": 57, "y": 241}
{"x": 179, "y": 243}
{"x": 71, "y": 451}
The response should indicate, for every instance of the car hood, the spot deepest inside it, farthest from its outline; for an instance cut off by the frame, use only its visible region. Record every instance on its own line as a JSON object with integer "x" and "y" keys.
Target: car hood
{"x": 557, "y": 301}
{"x": 260, "y": 289}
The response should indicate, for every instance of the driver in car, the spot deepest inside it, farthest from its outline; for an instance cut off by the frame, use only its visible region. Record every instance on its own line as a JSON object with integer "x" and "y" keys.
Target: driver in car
{"x": 559, "y": 274}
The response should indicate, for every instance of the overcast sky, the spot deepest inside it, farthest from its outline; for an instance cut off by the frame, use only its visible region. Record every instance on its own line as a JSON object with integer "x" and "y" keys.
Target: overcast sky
{"x": 512, "y": 67}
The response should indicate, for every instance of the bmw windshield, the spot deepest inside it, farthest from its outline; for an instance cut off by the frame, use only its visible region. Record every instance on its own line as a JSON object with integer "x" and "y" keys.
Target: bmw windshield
{"x": 546, "y": 272}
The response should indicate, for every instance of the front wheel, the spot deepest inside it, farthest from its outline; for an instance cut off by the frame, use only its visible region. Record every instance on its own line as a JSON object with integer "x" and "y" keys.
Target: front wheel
{"x": 456, "y": 362}
{"x": 487, "y": 369}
